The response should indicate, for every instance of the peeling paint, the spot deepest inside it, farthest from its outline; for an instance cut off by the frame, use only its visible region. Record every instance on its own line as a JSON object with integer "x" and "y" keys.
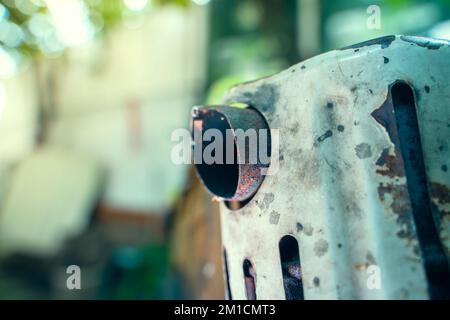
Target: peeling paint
{"x": 432, "y": 44}
{"x": 274, "y": 217}
{"x": 400, "y": 205}
{"x": 263, "y": 98}
{"x": 370, "y": 258}
{"x": 440, "y": 192}
{"x": 316, "y": 281}
{"x": 308, "y": 229}
{"x": 392, "y": 165}
{"x": 384, "y": 42}
{"x": 320, "y": 247}
{"x": 363, "y": 151}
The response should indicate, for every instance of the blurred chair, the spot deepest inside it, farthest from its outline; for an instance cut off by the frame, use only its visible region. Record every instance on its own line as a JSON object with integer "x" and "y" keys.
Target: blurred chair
{"x": 51, "y": 197}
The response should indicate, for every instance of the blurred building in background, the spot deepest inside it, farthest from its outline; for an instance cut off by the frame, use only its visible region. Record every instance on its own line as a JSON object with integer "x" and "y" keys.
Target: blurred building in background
{"x": 90, "y": 92}
{"x": 93, "y": 92}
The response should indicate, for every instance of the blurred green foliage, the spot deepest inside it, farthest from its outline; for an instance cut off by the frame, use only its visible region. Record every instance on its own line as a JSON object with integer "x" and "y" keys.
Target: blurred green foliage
{"x": 249, "y": 40}
{"x": 144, "y": 279}
{"x": 17, "y": 17}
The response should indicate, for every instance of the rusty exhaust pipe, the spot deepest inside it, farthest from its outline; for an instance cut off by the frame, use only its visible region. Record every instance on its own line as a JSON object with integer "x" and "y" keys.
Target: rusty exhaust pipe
{"x": 239, "y": 175}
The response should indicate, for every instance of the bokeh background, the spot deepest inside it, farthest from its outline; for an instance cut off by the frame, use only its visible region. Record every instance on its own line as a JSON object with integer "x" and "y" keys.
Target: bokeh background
{"x": 90, "y": 92}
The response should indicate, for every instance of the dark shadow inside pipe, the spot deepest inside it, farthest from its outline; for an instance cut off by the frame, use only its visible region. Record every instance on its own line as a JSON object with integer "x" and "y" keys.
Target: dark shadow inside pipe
{"x": 221, "y": 179}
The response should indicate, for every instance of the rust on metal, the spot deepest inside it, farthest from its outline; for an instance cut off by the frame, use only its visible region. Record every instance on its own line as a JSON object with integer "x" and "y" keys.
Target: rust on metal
{"x": 239, "y": 180}
{"x": 391, "y": 164}
{"x": 440, "y": 192}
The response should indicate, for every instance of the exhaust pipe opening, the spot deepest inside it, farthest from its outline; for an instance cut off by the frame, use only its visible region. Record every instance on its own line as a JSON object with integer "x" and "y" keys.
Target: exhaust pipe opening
{"x": 229, "y": 146}
{"x": 221, "y": 179}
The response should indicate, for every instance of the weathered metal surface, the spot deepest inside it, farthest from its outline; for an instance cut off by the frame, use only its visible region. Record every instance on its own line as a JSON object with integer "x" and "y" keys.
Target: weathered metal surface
{"x": 341, "y": 189}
